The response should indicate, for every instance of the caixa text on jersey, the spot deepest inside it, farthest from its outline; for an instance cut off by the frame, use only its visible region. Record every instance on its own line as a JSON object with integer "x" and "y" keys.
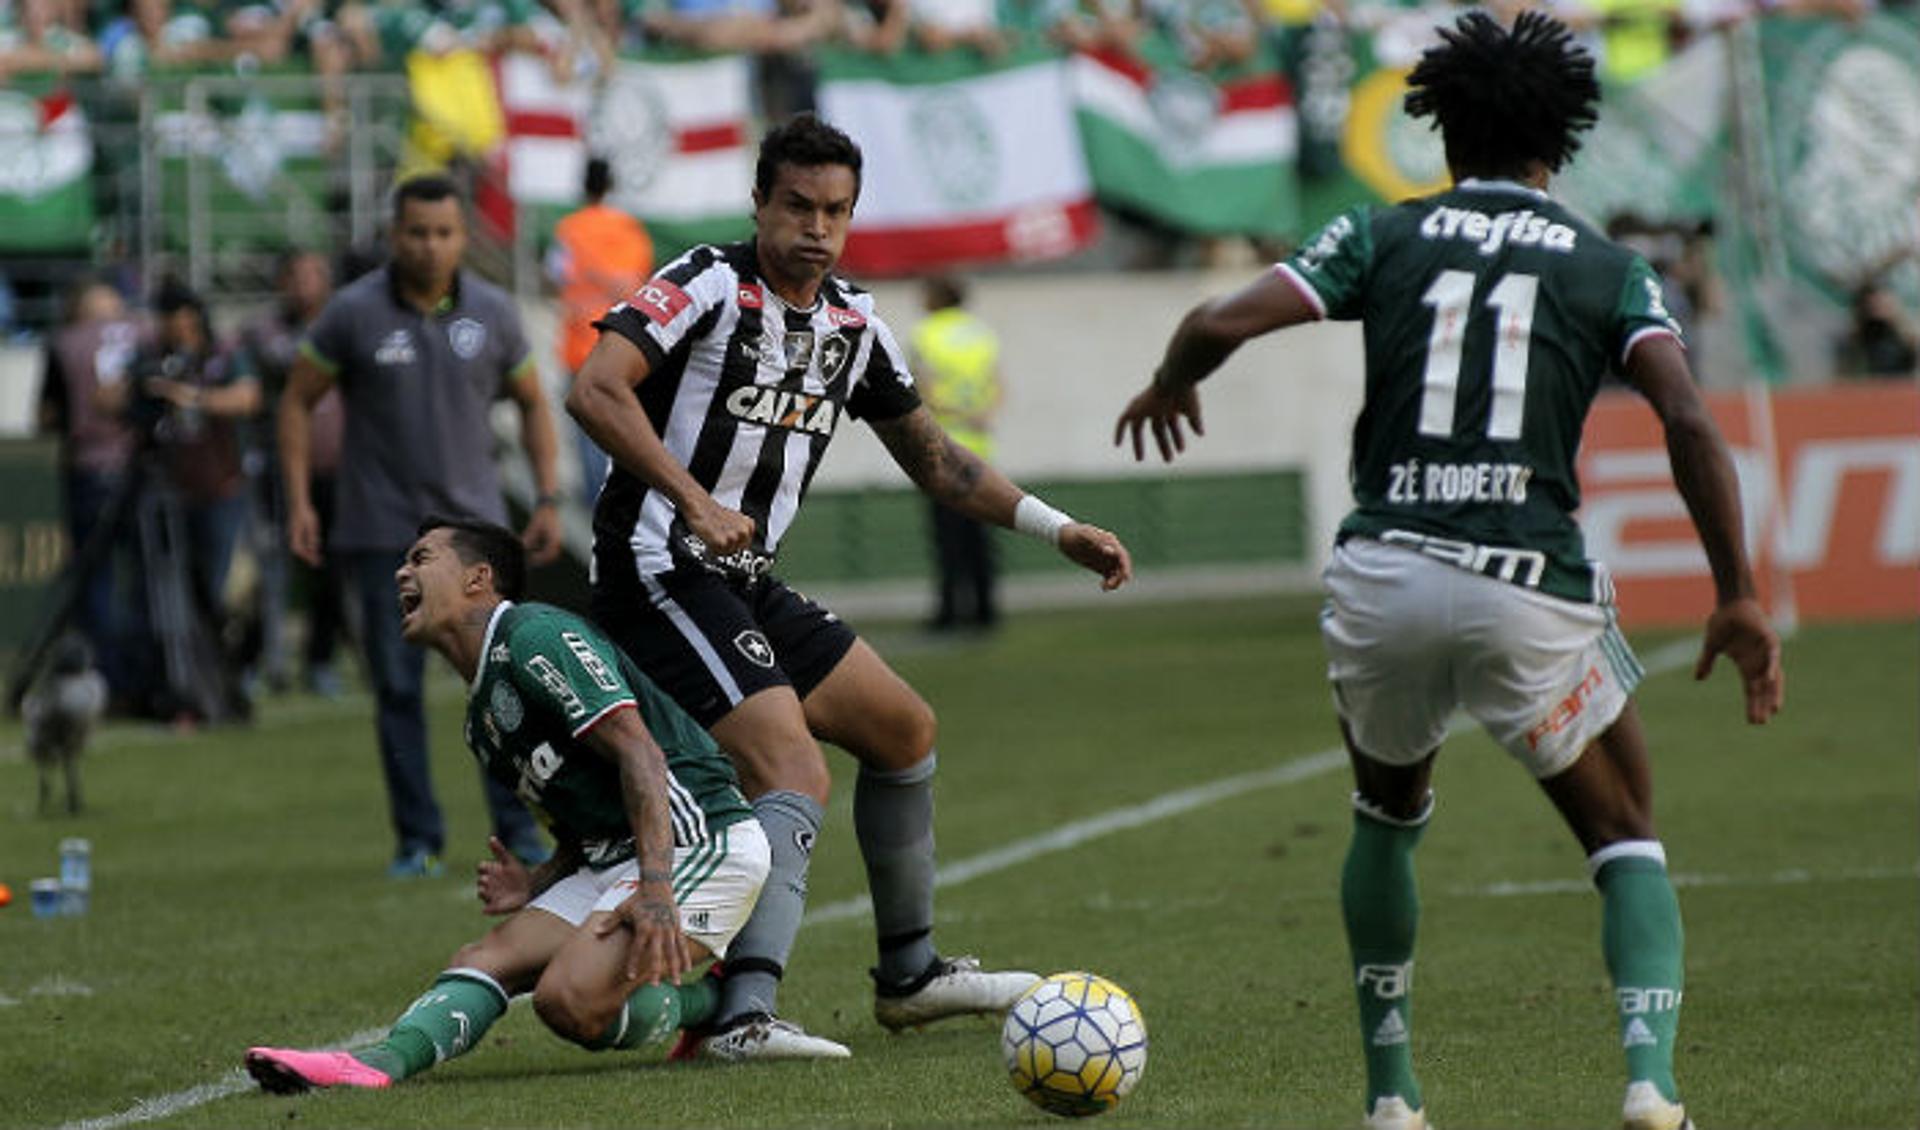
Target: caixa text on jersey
{"x": 779, "y": 408}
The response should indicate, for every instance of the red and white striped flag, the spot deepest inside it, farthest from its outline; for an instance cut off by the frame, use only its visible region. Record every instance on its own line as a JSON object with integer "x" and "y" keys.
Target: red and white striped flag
{"x": 676, "y": 133}
{"x": 968, "y": 162}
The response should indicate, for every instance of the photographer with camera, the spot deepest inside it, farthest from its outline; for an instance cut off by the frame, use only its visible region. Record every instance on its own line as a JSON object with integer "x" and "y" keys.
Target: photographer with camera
{"x": 186, "y": 396}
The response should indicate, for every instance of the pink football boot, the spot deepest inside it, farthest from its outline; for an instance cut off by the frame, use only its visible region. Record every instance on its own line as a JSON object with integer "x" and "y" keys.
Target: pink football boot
{"x": 285, "y": 1071}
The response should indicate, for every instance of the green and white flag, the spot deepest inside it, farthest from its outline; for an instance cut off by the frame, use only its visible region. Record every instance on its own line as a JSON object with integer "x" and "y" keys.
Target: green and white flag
{"x": 1660, "y": 146}
{"x": 247, "y": 161}
{"x": 1843, "y": 104}
{"x": 967, "y": 161}
{"x": 46, "y": 156}
{"x": 1212, "y": 157}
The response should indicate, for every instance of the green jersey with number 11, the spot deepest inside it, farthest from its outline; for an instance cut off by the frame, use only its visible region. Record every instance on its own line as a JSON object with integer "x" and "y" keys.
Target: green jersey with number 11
{"x": 1490, "y": 314}
{"x": 546, "y": 677}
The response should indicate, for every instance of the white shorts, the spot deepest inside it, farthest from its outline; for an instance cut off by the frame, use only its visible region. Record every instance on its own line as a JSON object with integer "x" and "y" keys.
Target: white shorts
{"x": 1410, "y": 638}
{"x": 715, "y": 884}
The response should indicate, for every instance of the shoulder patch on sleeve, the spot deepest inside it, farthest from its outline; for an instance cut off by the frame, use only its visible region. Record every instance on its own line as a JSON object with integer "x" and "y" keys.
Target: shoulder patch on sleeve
{"x": 661, "y": 301}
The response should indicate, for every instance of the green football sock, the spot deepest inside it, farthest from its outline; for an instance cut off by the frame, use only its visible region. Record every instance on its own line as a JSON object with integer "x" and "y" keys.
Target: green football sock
{"x": 1643, "y": 942}
{"x": 447, "y": 1020}
{"x": 1381, "y": 905}
{"x": 649, "y": 1016}
{"x": 655, "y": 1012}
{"x": 699, "y": 1000}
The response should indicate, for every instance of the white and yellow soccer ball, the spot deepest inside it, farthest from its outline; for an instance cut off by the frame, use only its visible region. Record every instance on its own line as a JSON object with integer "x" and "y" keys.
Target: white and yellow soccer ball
{"x": 1075, "y": 1044}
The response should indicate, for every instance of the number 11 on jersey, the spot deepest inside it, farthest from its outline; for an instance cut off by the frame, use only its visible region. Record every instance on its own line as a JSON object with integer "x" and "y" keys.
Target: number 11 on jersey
{"x": 1451, "y": 298}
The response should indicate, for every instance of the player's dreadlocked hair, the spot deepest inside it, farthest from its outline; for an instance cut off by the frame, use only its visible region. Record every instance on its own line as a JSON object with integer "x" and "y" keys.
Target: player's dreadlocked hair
{"x": 1503, "y": 99}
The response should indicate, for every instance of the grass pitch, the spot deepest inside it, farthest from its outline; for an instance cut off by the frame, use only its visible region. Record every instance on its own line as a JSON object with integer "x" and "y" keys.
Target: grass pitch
{"x": 239, "y": 899}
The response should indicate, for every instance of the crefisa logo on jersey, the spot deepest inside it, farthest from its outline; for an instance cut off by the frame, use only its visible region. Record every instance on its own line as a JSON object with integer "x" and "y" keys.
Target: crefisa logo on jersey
{"x": 1489, "y": 233}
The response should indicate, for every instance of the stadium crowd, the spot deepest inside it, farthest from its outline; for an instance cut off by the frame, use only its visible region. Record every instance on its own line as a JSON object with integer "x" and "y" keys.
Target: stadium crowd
{"x": 126, "y": 39}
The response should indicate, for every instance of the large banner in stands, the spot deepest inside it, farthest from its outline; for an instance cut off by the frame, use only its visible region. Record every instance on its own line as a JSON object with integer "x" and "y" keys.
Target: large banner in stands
{"x": 1830, "y": 483}
{"x": 676, "y": 131}
{"x": 1656, "y": 151}
{"x": 252, "y": 160}
{"x": 46, "y": 157}
{"x": 1841, "y": 153}
{"x": 968, "y": 161}
{"x": 1212, "y": 155}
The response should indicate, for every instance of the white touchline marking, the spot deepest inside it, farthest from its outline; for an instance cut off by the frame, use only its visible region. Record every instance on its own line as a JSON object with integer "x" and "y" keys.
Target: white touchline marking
{"x": 1667, "y": 658}
{"x": 149, "y": 1110}
{"x": 1788, "y": 878}
{"x": 232, "y": 1083}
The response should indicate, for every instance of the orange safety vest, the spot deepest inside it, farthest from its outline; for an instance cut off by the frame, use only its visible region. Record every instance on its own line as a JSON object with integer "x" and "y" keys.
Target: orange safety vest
{"x": 603, "y": 255}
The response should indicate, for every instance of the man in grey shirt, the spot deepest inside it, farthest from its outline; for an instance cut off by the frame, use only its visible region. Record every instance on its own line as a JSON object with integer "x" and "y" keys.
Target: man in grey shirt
{"x": 420, "y": 350}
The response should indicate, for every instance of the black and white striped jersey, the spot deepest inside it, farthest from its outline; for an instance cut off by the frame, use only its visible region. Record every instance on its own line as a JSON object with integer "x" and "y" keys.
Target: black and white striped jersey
{"x": 746, "y": 392}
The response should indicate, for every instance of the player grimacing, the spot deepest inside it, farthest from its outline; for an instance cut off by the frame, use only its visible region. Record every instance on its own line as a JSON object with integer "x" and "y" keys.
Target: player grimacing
{"x": 1490, "y": 313}
{"x": 659, "y": 858}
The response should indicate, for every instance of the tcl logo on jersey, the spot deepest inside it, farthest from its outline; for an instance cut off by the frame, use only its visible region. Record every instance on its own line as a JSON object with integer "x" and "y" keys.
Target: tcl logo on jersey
{"x": 749, "y": 297}
{"x": 778, "y": 408}
{"x": 660, "y": 301}
{"x": 852, "y": 319}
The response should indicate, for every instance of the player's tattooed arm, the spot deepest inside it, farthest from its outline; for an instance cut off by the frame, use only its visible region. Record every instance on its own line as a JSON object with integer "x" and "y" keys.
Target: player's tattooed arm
{"x": 955, "y": 477}
{"x": 948, "y": 473}
{"x": 937, "y": 465}
{"x": 656, "y": 949}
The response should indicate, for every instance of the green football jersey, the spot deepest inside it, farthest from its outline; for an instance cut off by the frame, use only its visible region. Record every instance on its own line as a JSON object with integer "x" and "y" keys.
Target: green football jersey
{"x": 1490, "y": 314}
{"x": 546, "y": 676}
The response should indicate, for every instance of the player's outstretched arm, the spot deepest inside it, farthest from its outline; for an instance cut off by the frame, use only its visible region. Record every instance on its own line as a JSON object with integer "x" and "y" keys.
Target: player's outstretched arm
{"x": 1204, "y": 340}
{"x": 603, "y": 402}
{"x": 955, "y": 477}
{"x": 657, "y": 951}
{"x": 1703, "y": 472}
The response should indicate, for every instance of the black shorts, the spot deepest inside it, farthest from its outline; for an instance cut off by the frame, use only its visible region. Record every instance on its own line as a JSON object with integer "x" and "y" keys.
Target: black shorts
{"x": 711, "y": 641}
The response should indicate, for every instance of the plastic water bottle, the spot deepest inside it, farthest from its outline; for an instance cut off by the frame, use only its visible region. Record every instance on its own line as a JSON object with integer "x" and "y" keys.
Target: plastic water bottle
{"x": 46, "y": 897}
{"x": 76, "y": 875}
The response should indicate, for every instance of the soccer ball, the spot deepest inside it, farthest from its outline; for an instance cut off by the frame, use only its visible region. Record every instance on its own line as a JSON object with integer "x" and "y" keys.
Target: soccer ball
{"x": 1075, "y": 1044}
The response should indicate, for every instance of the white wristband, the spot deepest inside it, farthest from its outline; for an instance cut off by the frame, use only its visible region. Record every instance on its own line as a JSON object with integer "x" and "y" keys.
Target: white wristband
{"x": 1036, "y": 519}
